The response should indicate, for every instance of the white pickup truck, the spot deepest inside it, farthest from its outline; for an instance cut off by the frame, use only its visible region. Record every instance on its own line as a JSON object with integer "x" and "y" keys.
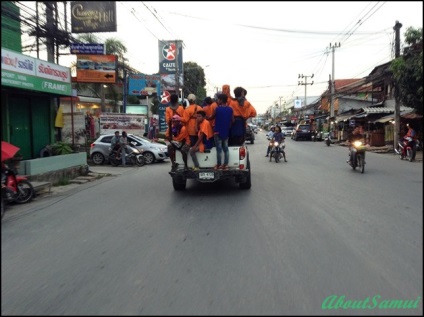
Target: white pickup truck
{"x": 238, "y": 168}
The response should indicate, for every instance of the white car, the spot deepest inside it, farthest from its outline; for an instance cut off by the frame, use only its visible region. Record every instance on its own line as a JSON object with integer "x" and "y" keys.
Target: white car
{"x": 287, "y": 131}
{"x": 152, "y": 151}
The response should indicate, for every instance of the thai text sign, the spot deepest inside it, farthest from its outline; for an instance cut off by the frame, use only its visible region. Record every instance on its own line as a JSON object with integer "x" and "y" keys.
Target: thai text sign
{"x": 26, "y": 72}
{"x": 93, "y": 16}
{"x": 95, "y": 49}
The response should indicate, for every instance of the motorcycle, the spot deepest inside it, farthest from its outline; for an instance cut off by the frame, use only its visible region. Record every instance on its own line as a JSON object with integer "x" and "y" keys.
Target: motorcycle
{"x": 357, "y": 156}
{"x": 406, "y": 149}
{"x": 133, "y": 156}
{"x": 15, "y": 188}
{"x": 277, "y": 151}
{"x": 328, "y": 140}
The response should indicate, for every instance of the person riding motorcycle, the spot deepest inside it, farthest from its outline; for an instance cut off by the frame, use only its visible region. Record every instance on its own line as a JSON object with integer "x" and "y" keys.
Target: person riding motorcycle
{"x": 411, "y": 137}
{"x": 269, "y": 136}
{"x": 279, "y": 137}
{"x": 356, "y": 135}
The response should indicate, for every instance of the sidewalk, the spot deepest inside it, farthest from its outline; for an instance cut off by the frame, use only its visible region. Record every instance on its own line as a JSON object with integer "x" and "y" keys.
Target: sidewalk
{"x": 95, "y": 172}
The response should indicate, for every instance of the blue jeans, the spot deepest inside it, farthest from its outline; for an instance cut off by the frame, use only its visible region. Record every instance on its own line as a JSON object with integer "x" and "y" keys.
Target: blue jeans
{"x": 221, "y": 145}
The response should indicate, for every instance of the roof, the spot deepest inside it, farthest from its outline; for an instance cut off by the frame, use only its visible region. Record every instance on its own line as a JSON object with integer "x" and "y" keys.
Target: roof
{"x": 384, "y": 109}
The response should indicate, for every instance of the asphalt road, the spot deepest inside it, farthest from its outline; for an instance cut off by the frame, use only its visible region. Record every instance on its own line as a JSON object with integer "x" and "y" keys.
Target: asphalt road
{"x": 308, "y": 230}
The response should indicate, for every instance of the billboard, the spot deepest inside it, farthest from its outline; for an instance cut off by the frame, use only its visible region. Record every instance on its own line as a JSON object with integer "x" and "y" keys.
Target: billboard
{"x": 131, "y": 123}
{"x": 170, "y": 57}
{"x": 93, "y": 16}
{"x": 141, "y": 85}
{"x": 96, "y": 69}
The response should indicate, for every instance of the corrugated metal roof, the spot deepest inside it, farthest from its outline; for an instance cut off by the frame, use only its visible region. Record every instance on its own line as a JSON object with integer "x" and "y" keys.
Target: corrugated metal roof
{"x": 384, "y": 109}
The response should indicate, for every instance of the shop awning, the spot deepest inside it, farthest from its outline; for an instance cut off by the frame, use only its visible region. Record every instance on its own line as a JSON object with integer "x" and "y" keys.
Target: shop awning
{"x": 344, "y": 117}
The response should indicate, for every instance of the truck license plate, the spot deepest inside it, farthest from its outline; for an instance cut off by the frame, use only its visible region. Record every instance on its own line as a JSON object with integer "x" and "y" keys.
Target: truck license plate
{"x": 206, "y": 175}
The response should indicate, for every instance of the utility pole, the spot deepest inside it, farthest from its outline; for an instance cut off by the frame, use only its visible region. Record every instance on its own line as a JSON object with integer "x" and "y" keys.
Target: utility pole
{"x": 305, "y": 83}
{"x": 396, "y": 133}
{"x": 333, "y": 47}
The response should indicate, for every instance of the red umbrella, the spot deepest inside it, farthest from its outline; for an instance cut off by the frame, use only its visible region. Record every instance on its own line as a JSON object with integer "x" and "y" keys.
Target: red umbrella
{"x": 8, "y": 150}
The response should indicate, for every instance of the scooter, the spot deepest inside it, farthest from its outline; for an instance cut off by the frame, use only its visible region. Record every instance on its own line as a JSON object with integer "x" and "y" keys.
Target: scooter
{"x": 406, "y": 149}
{"x": 132, "y": 156}
{"x": 15, "y": 188}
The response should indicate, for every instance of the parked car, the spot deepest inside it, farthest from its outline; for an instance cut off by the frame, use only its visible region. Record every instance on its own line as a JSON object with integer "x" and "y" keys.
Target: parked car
{"x": 302, "y": 131}
{"x": 152, "y": 151}
{"x": 250, "y": 135}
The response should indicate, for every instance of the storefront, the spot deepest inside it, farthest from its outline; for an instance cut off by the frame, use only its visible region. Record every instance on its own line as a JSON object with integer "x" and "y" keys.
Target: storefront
{"x": 30, "y": 91}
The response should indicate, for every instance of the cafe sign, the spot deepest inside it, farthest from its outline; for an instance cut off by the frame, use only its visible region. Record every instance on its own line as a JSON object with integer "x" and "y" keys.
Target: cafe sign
{"x": 93, "y": 16}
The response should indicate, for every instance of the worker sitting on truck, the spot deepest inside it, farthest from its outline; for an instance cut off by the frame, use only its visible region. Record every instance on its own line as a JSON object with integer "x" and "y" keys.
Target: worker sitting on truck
{"x": 205, "y": 135}
{"x": 180, "y": 141}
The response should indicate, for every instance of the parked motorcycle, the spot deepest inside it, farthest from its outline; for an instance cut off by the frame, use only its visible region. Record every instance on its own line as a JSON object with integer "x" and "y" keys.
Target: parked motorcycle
{"x": 407, "y": 149}
{"x": 357, "y": 156}
{"x": 132, "y": 156}
{"x": 277, "y": 151}
{"x": 15, "y": 188}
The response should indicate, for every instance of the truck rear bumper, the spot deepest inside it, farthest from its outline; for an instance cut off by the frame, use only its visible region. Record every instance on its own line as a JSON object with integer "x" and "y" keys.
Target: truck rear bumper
{"x": 207, "y": 175}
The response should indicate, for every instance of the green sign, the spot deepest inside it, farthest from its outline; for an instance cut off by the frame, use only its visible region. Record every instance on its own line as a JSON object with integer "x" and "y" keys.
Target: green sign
{"x": 25, "y": 81}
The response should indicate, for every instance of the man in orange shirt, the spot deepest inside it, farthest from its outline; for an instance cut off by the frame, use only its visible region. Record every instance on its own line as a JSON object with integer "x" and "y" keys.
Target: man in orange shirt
{"x": 173, "y": 109}
{"x": 180, "y": 141}
{"x": 205, "y": 133}
{"x": 209, "y": 108}
{"x": 242, "y": 110}
{"x": 190, "y": 116}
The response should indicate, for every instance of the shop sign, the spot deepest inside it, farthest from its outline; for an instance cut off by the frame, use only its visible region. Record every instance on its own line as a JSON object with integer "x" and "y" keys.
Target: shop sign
{"x": 25, "y": 72}
{"x": 93, "y": 16}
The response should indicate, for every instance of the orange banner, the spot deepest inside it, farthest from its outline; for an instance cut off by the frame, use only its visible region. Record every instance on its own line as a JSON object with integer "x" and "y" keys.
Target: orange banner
{"x": 96, "y": 69}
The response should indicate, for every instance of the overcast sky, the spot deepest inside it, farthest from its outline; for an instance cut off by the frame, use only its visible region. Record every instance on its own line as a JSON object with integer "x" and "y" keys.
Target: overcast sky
{"x": 264, "y": 46}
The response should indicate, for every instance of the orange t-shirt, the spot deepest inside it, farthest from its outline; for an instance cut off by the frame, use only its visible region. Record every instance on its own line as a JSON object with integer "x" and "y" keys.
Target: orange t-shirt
{"x": 169, "y": 113}
{"x": 205, "y": 128}
{"x": 183, "y": 135}
{"x": 247, "y": 111}
{"x": 210, "y": 110}
{"x": 190, "y": 117}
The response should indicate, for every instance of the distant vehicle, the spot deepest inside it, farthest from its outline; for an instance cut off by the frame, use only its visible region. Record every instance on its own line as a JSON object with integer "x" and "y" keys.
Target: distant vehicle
{"x": 302, "y": 131}
{"x": 250, "y": 134}
{"x": 287, "y": 131}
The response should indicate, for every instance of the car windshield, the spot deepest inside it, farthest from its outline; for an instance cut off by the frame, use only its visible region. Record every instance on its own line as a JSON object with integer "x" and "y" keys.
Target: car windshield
{"x": 141, "y": 138}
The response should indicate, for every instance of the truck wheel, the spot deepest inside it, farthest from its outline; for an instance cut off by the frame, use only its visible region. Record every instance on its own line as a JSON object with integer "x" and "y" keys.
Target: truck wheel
{"x": 248, "y": 183}
{"x": 179, "y": 183}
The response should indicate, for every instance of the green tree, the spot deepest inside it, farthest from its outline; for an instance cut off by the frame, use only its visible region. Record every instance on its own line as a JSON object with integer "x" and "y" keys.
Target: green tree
{"x": 194, "y": 80}
{"x": 408, "y": 71}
